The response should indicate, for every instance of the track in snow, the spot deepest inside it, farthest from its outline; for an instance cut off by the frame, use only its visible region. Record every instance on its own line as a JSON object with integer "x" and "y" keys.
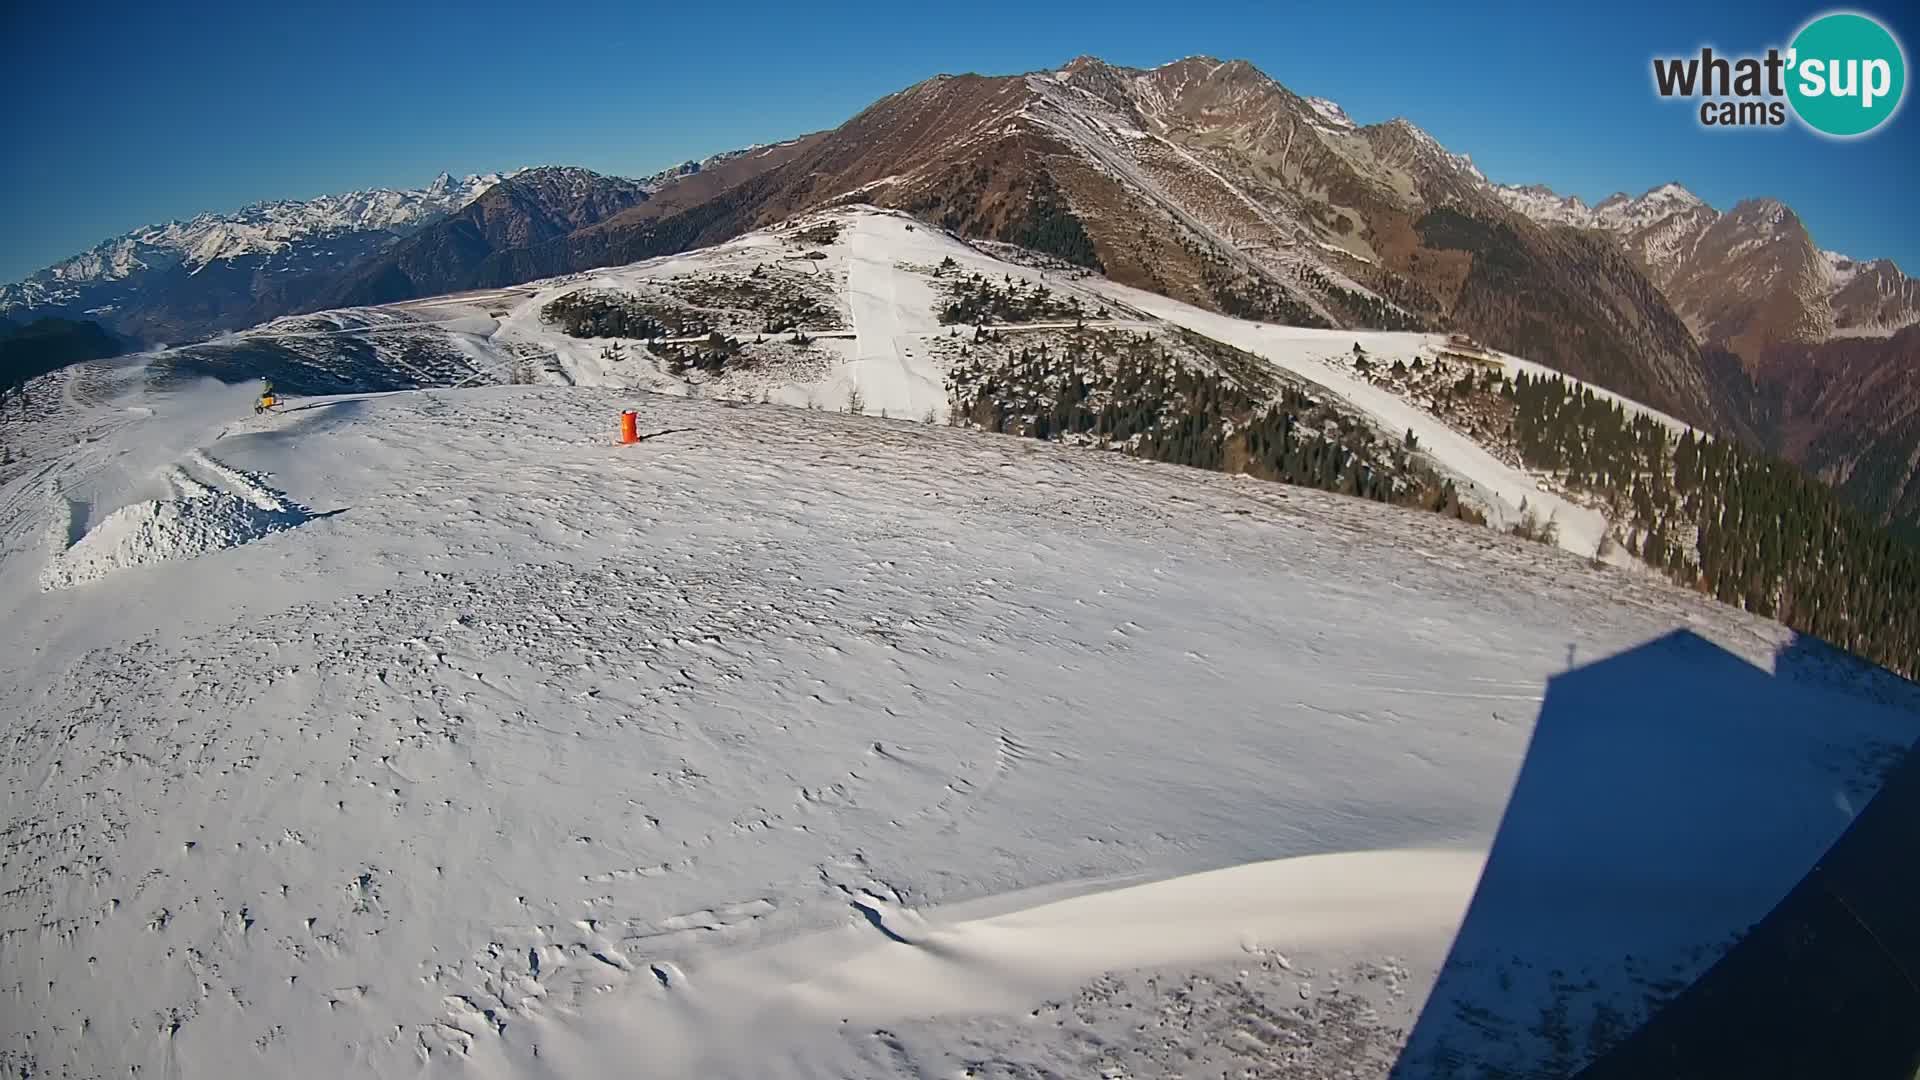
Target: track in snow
{"x": 890, "y": 366}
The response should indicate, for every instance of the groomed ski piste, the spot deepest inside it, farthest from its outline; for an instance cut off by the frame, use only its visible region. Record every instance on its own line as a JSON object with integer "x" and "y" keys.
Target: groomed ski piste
{"x": 433, "y": 733}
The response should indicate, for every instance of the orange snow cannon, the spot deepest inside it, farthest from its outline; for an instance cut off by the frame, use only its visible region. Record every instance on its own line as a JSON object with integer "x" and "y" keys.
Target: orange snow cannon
{"x": 629, "y": 427}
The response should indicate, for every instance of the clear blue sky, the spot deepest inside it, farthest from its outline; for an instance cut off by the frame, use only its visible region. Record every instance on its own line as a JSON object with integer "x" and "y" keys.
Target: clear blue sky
{"x": 122, "y": 114}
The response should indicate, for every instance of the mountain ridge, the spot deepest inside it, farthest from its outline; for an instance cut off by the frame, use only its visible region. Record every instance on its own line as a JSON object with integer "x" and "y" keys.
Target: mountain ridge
{"x": 217, "y": 271}
{"x": 222, "y": 270}
{"x": 256, "y": 227}
{"x": 1666, "y": 227}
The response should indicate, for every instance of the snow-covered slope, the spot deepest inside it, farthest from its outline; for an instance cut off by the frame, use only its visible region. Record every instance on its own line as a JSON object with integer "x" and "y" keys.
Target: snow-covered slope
{"x": 877, "y": 274}
{"x": 1498, "y": 487}
{"x": 891, "y": 354}
{"x": 787, "y": 743}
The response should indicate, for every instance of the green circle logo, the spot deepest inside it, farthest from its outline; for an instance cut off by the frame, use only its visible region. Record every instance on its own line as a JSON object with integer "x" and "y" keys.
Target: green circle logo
{"x": 1847, "y": 74}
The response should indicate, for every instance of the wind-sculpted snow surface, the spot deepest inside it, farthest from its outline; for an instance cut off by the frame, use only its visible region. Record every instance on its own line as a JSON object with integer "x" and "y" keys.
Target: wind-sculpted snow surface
{"x": 790, "y": 743}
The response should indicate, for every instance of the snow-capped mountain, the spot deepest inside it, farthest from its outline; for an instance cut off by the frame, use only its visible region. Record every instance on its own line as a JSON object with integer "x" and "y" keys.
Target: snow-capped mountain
{"x": 1541, "y": 203}
{"x": 475, "y": 246}
{"x": 1204, "y": 179}
{"x": 1666, "y": 201}
{"x": 1872, "y": 298}
{"x": 125, "y": 282}
{"x": 220, "y": 271}
{"x": 262, "y": 228}
{"x": 1618, "y": 211}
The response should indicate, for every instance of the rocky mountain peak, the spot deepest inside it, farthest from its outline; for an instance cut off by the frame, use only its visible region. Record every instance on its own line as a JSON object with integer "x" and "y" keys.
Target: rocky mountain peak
{"x": 1673, "y": 192}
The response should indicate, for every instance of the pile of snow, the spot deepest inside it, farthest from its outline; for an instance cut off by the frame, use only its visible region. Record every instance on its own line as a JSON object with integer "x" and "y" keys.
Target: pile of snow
{"x": 201, "y": 519}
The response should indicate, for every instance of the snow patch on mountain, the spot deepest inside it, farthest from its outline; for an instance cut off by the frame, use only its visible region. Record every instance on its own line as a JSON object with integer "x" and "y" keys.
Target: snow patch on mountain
{"x": 1618, "y": 212}
{"x": 1540, "y": 203}
{"x": 1430, "y": 147}
{"x": 1841, "y": 269}
{"x": 1330, "y": 111}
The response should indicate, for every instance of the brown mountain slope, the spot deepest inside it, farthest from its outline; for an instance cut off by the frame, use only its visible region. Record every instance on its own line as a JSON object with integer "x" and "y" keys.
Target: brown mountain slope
{"x": 1872, "y": 298}
{"x": 1751, "y": 278}
{"x": 1571, "y": 300}
{"x": 1745, "y": 279}
{"x": 1846, "y": 409}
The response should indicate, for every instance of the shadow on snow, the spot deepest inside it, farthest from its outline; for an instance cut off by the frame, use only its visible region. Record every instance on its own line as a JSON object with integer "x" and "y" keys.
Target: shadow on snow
{"x": 1665, "y": 805}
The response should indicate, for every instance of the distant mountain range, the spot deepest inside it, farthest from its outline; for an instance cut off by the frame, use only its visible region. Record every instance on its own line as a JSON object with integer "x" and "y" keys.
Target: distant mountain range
{"x": 184, "y": 280}
{"x": 1749, "y": 277}
{"x": 1200, "y": 179}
